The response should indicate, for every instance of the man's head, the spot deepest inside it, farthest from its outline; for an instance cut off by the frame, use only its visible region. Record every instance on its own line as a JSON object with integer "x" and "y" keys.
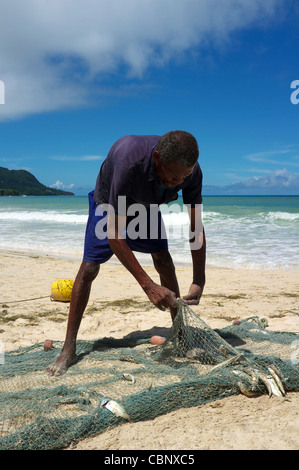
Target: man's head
{"x": 175, "y": 157}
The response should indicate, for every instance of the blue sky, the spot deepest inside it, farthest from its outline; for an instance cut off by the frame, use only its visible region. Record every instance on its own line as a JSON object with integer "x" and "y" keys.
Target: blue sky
{"x": 79, "y": 75}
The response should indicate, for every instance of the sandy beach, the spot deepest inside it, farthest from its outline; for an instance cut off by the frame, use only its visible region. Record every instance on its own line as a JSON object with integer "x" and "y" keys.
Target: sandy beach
{"x": 118, "y": 307}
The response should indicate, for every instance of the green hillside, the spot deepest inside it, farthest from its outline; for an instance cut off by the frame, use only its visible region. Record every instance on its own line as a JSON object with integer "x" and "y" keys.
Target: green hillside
{"x": 22, "y": 182}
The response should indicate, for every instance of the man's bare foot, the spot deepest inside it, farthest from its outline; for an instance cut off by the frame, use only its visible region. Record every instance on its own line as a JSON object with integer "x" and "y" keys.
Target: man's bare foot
{"x": 61, "y": 365}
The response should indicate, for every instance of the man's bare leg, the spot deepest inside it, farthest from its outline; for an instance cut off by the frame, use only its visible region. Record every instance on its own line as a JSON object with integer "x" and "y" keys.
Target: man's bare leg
{"x": 80, "y": 295}
{"x": 164, "y": 266}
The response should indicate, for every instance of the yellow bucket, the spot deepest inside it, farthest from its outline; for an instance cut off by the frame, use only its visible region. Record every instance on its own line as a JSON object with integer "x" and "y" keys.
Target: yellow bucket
{"x": 61, "y": 290}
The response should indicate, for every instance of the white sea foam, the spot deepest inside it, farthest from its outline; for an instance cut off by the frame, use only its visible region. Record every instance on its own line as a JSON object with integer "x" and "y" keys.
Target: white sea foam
{"x": 47, "y": 216}
{"x": 242, "y": 236}
{"x": 287, "y": 216}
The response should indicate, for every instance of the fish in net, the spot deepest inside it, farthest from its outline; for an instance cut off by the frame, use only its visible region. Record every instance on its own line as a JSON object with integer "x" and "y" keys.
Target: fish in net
{"x": 115, "y": 380}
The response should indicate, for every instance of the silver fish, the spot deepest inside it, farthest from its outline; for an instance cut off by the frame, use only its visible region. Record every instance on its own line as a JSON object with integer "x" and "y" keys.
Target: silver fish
{"x": 242, "y": 374}
{"x": 129, "y": 377}
{"x": 255, "y": 330}
{"x": 270, "y": 384}
{"x": 115, "y": 408}
{"x": 265, "y": 380}
{"x": 277, "y": 380}
{"x": 253, "y": 375}
{"x": 250, "y": 391}
{"x": 247, "y": 384}
{"x": 274, "y": 386}
{"x": 281, "y": 376}
{"x": 278, "y": 372}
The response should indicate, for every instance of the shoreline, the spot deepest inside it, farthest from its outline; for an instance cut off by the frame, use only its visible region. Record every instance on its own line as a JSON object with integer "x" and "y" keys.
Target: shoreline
{"x": 115, "y": 261}
{"x": 28, "y": 315}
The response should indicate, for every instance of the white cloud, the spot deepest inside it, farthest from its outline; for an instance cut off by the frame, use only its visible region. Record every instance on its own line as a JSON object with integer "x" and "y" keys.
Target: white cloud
{"x": 61, "y": 185}
{"x": 53, "y": 53}
{"x": 269, "y": 156}
{"x": 276, "y": 179}
{"x": 276, "y": 182}
{"x": 265, "y": 157}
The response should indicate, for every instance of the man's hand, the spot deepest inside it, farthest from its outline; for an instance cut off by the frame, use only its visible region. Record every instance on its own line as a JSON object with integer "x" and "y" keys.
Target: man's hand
{"x": 194, "y": 295}
{"x": 160, "y": 296}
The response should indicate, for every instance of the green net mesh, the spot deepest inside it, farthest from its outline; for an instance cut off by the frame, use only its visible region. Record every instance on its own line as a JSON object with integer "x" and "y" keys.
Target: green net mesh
{"x": 194, "y": 365}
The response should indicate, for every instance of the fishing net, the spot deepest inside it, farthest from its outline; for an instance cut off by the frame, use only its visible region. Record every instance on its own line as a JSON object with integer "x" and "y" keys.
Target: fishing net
{"x": 194, "y": 365}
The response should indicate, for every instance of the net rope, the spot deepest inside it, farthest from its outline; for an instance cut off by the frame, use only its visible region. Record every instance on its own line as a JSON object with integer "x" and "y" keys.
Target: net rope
{"x": 195, "y": 365}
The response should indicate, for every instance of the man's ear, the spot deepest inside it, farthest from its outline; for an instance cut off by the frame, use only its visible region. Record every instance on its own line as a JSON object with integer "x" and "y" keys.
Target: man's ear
{"x": 156, "y": 157}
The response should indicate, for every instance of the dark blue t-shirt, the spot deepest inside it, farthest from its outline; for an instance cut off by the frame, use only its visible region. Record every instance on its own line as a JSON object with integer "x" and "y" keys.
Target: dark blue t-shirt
{"x": 129, "y": 170}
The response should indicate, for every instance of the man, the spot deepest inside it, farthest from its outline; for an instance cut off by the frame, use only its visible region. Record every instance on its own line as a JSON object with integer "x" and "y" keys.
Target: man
{"x": 142, "y": 172}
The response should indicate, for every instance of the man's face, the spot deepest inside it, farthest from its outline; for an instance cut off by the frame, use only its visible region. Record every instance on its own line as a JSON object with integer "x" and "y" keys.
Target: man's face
{"x": 170, "y": 174}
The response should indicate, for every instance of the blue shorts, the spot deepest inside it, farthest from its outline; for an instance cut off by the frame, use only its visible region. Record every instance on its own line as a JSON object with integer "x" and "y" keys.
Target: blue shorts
{"x": 96, "y": 246}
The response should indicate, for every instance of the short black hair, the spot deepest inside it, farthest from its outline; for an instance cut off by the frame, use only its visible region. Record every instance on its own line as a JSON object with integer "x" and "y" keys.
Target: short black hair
{"x": 180, "y": 146}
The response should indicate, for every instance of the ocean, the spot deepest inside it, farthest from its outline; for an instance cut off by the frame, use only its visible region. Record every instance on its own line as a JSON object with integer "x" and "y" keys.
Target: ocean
{"x": 241, "y": 231}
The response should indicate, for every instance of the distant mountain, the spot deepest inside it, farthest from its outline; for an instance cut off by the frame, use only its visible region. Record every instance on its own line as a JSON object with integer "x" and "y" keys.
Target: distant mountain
{"x": 22, "y": 182}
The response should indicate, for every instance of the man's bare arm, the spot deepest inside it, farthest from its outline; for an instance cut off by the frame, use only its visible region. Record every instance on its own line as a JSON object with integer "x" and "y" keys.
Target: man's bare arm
{"x": 160, "y": 296}
{"x": 198, "y": 253}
